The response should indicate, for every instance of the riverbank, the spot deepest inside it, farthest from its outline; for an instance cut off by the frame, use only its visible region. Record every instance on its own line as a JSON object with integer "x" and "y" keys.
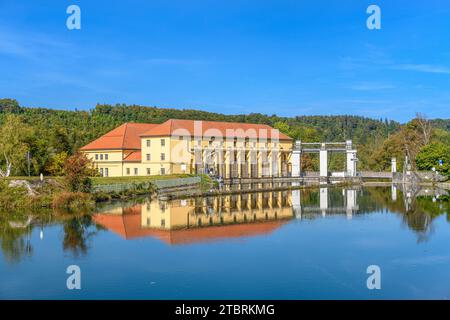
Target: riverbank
{"x": 26, "y": 193}
{"x": 126, "y": 188}
{"x": 268, "y": 185}
{"x": 243, "y": 188}
{"x": 31, "y": 193}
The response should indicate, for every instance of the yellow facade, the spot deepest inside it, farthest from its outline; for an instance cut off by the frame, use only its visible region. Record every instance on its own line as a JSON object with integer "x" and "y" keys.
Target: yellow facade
{"x": 199, "y": 220}
{"x": 169, "y": 154}
{"x": 108, "y": 162}
{"x": 245, "y": 208}
{"x": 210, "y": 211}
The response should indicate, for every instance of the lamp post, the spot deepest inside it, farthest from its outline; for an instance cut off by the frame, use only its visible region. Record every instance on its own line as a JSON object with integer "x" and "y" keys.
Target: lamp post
{"x": 29, "y": 162}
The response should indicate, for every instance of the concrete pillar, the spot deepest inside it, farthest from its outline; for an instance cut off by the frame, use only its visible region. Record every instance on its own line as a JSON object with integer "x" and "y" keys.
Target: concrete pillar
{"x": 351, "y": 158}
{"x": 394, "y": 165}
{"x": 249, "y": 164}
{"x": 260, "y": 201}
{"x": 323, "y": 161}
{"x": 296, "y": 156}
{"x": 296, "y": 202}
{"x": 259, "y": 158}
{"x": 204, "y": 159}
{"x": 394, "y": 192}
{"x": 324, "y": 200}
{"x": 274, "y": 163}
{"x": 270, "y": 202}
{"x": 220, "y": 162}
{"x": 296, "y": 166}
{"x": 348, "y": 144}
{"x": 351, "y": 163}
{"x": 280, "y": 167}
{"x": 227, "y": 173}
{"x": 252, "y": 163}
{"x": 351, "y": 202}
{"x": 239, "y": 204}
{"x": 239, "y": 162}
{"x": 198, "y": 159}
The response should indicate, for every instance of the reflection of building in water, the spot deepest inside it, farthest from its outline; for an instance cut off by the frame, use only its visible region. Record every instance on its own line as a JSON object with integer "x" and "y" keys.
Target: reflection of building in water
{"x": 412, "y": 191}
{"x": 202, "y": 219}
{"x": 350, "y": 200}
{"x": 394, "y": 192}
{"x": 324, "y": 200}
{"x": 296, "y": 201}
{"x": 326, "y": 205}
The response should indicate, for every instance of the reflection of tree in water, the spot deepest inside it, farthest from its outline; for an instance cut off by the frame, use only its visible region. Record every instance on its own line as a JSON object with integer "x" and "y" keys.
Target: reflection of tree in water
{"x": 420, "y": 213}
{"x": 309, "y": 197}
{"x": 15, "y": 241}
{"x": 77, "y": 233}
{"x": 417, "y": 213}
{"x": 16, "y": 230}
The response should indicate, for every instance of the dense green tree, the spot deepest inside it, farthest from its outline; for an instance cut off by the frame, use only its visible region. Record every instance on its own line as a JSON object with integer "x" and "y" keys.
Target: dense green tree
{"x": 9, "y": 106}
{"x": 55, "y": 166}
{"x": 57, "y": 131}
{"x": 14, "y": 144}
{"x": 429, "y": 157}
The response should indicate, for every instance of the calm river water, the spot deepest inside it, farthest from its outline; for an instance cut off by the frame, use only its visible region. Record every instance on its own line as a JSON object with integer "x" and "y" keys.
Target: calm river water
{"x": 303, "y": 244}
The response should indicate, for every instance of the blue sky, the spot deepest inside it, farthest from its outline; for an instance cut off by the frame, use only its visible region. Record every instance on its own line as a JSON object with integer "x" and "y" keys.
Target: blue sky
{"x": 276, "y": 57}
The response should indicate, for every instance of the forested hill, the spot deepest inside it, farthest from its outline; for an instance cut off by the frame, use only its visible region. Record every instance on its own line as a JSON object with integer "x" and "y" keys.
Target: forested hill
{"x": 52, "y": 132}
{"x": 103, "y": 118}
{"x": 443, "y": 124}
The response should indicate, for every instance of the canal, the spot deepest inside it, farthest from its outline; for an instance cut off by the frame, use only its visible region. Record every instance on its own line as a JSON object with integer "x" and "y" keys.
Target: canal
{"x": 314, "y": 243}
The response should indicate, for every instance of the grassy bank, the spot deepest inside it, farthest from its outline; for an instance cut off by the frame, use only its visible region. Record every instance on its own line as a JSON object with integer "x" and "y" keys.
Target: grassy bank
{"x": 29, "y": 192}
{"x": 139, "y": 179}
{"x": 19, "y": 196}
{"x": 108, "y": 188}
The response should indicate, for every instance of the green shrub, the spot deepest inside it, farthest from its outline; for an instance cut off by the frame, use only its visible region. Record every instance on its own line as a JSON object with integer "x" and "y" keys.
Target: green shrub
{"x": 430, "y": 155}
{"x": 78, "y": 169}
{"x": 102, "y": 196}
{"x": 72, "y": 201}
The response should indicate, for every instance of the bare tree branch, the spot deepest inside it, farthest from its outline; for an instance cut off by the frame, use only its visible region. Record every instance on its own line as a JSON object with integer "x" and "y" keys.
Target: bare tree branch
{"x": 425, "y": 126}
{"x": 7, "y": 172}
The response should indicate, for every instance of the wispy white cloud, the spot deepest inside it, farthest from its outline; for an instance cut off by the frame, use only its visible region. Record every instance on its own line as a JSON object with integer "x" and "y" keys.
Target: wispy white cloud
{"x": 172, "y": 61}
{"x": 370, "y": 57}
{"x": 427, "y": 68}
{"x": 366, "y": 101}
{"x": 371, "y": 86}
{"x": 30, "y": 46}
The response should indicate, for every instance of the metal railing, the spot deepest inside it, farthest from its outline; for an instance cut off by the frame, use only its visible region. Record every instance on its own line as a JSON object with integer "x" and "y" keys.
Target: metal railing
{"x": 179, "y": 182}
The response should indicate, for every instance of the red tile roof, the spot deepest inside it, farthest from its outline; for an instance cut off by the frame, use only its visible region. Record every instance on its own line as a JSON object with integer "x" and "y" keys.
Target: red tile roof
{"x": 134, "y": 156}
{"x": 124, "y": 137}
{"x": 128, "y": 135}
{"x": 212, "y": 128}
